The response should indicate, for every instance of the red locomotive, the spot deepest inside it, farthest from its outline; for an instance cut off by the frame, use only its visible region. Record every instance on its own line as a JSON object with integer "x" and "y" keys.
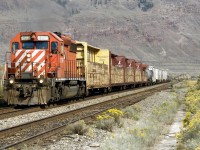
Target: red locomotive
{"x": 41, "y": 67}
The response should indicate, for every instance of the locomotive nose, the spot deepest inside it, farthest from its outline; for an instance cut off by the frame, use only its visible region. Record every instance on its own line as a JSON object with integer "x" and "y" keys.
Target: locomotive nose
{"x": 29, "y": 63}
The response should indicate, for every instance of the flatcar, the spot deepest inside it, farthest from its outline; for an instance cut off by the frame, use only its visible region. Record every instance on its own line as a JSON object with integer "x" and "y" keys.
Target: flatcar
{"x": 45, "y": 67}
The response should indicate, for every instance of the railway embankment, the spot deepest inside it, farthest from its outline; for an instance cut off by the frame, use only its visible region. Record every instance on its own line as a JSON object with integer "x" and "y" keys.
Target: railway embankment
{"x": 141, "y": 126}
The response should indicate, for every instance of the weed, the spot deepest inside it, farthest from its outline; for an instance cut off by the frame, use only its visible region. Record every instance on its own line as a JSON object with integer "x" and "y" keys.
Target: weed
{"x": 90, "y": 132}
{"x": 116, "y": 114}
{"x": 129, "y": 112}
{"x": 77, "y": 128}
{"x": 109, "y": 118}
{"x": 106, "y": 124}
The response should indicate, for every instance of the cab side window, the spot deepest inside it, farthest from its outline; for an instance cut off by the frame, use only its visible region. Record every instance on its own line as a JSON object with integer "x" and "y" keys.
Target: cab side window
{"x": 15, "y": 46}
{"x": 54, "y": 47}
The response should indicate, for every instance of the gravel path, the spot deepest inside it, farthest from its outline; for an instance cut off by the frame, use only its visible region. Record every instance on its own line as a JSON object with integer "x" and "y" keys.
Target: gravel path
{"x": 169, "y": 141}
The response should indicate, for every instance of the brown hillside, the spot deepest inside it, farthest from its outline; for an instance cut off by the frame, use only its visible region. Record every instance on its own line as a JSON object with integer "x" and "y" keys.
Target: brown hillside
{"x": 165, "y": 33}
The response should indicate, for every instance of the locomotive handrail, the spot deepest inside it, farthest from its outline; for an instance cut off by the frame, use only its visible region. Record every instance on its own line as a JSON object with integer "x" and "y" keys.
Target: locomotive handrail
{"x": 5, "y": 70}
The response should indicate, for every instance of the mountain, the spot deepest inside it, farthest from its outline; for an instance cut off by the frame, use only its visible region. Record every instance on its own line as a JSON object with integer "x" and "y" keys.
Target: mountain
{"x": 164, "y": 33}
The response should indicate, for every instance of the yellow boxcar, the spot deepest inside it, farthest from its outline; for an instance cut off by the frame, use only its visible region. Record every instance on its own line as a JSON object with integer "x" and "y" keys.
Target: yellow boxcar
{"x": 130, "y": 71}
{"x": 144, "y": 76}
{"x": 129, "y": 75}
{"x": 117, "y": 75}
{"x": 138, "y": 75}
{"x": 96, "y": 65}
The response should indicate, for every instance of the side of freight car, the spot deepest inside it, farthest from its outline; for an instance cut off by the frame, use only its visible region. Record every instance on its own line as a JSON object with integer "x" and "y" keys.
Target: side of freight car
{"x": 97, "y": 67}
{"x": 118, "y": 65}
{"x": 130, "y": 71}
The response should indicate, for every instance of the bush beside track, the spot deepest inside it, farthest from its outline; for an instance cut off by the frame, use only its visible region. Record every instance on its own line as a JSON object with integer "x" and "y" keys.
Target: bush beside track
{"x": 189, "y": 137}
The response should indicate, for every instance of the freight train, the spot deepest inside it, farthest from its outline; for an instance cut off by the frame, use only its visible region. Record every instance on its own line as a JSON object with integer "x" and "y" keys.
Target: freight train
{"x": 46, "y": 67}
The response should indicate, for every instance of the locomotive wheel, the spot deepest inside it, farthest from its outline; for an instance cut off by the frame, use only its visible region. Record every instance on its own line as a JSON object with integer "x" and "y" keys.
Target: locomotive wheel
{"x": 42, "y": 106}
{"x": 106, "y": 90}
{"x": 78, "y": 94}
{"x": 57, "y": 95}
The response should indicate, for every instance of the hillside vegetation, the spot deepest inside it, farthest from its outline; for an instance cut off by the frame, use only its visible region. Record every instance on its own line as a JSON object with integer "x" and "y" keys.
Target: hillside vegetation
{"x": 164, "y": 33}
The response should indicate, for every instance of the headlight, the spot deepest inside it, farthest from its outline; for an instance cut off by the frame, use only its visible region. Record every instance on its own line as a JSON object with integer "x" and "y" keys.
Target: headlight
{"x": 28, "y": 59}
{"x": 28, "y": 55}
{"x": 41, "y": 81}
{"x": 11, "y": 81}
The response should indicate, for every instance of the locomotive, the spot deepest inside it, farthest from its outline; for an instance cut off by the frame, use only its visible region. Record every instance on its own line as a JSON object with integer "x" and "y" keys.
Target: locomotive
{"x": 41, "y": 68}
{"x": 46, "y": 67}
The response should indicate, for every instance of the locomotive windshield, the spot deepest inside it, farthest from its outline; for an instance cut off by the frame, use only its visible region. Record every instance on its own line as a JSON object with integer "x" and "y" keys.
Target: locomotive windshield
{"x": 31, "y": 45}
{"x": 41, "y": 45}
{"x": 28, "y": 45}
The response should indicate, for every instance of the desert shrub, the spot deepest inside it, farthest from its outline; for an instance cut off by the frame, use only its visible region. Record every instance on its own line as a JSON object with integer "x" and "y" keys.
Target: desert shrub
{"x": 132, "y": 112}
{"x": 189, "y": 136}
{"x": 77, "y": 128}
{"x": 137, "y": 107}
{"x": 192, "y": 83}
{"x": 198, "y": 83}
{"x": 187, "y": 119}
{"x": 105, "y": 124}
{"x": 192, "y": 101}
{"x": 116, "y": 114}
{"x": 147, "y": 133}
{"x": 108, "y": 119}
{"x": 165, "y": 112}
{"x": 90, "y": 132}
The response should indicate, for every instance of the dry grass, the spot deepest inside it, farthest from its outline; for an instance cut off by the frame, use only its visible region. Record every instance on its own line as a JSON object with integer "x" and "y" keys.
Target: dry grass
{"x": 132, "y": 112}
{"x": 77, "y": 128}
{"x": 106, "y": 124}
{"x": 191, "y": 83}
{"x": 107, "y": 120}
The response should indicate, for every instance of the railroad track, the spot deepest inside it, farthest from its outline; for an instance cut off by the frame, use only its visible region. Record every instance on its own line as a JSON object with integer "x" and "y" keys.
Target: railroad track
{"x": 32, "y": 131}
{"x": 8, "y": 112}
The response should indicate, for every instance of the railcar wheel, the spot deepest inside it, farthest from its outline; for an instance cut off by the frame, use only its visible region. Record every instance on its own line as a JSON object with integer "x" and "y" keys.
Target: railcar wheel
{"x": 43, "y": 106}
{"x": 106, "y": 90}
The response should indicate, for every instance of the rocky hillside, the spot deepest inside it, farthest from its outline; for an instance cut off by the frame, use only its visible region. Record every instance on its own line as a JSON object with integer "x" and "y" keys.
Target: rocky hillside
{"x": 165, "y": 33}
